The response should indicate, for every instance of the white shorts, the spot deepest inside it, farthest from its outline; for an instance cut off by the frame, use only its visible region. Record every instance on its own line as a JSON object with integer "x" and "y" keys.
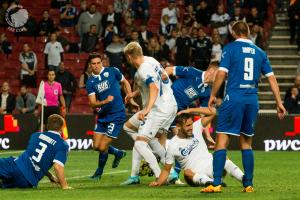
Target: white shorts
{"x": 157, "y": 119}
{"x": 204, "y": 167}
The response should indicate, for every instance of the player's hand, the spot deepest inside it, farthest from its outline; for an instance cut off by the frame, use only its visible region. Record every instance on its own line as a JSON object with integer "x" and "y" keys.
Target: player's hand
{"x": 128, "y": 97}
{"x": 142, "y": 115}
{"x": 211, "y": 102}
{"x": 281, "y": 111}
{"x": 108, "y": 99}
{"x": 183, "y": 111}
{"x": 154, "y": 184}
{"x": 63, "y": 111}
{"x": 133, "y": 103}
{"x": 211, "y": 142}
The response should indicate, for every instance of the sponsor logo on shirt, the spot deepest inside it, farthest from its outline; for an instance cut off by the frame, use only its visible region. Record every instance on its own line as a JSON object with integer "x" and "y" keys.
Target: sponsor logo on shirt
{"x": 187, "y": 150}
{"x": 102, "y": 86}
{"x": 190, "y": 92}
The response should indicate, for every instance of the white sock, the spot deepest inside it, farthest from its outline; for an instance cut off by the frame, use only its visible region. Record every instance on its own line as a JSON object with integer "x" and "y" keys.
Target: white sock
{"x": 158, "y": 149}
{"x": 136, "y": 160}
{"x": 130, "y": 132}
{"x": 146, "y": 153}
{"x": 233, "y": 170}
{"x": 201, "y": 179}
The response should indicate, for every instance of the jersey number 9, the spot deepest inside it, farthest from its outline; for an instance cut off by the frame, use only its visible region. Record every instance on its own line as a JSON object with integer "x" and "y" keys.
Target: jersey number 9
{"x": 248, "y": 69}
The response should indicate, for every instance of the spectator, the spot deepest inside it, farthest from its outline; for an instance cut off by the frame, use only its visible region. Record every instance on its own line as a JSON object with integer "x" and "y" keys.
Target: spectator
{"x": 5, "y": 45}
{"x": 237, "y": 15}
{"x": 7, "y": 100}
{"x": 87, "y": 72}
{"x": 46, "y": 25}
{"x": 189, "y": 16}
{"x": 68, "y": 84}
{"x": 88, "y": 18}
{"x": 294, "y": 20}
{"x": 171, "y": 42}
{"x": 255, "y": 36}
{"x": 135, "y": 37}
{"x": 201, "y": 51}
{"x": 296, "y": 84}
{"x": 220, "y": 20}
{"x": 105, "y": 61}
{"x": 261, "y": 6}
{"x": 173, "y": 12}
{"x": 183, "y": 48}
{"x": 109, "y": 32}
{"x": 194, "y": 34}
{"x": 90, "y": 40}
{"x": 154, "y": 49}
{"x": 121, "y": 6}
{"x": 83, "y": 8}
{"x": 53, "y": 53}
{"x": 292, "y": 103}
{"x": 68, "y": 15}
{"x": 25, "y": 102}
{"x": 28, "y": 62}
{"x": 112, "y": 16}
{"x": 164, "y": 48}
{"x": 127, "y": 28}
{"x": 140, "y": 9}
{"x": 4, "y": 6}
{"x": 165, "y": 27}
{"x": 253, "y": 18}
{"x": 58, "y": 3}
{"x": 203, "y": 13}
{"x": 216, "y": 50}
{"x": 30, "y": 28}
{"x": 114, "y": 52}
{"x": 54, "y": 97}
{"x": 145, "y": 34}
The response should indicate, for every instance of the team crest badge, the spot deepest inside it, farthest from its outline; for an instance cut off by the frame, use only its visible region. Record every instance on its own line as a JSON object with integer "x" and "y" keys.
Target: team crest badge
{"x": 106, "y": 74}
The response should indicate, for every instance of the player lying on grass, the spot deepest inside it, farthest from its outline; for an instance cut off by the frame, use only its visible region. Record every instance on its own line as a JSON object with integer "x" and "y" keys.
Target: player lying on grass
{"x": 189, "y": 148}
{"x": 44, "y": 150}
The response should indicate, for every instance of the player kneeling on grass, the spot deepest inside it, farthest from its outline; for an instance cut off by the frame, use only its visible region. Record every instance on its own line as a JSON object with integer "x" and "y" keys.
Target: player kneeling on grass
{"x": 45, "y": 149}
{"x": 190, "y": 150}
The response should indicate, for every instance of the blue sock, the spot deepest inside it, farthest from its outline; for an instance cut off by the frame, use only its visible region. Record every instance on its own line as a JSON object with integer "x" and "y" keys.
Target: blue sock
{"x": 114, "y": 151}
{"x": 102, "y": 160}
{"x": 177, "y": 167}
{"x": 248, "y": 163}
{"x": 218, "y": 165}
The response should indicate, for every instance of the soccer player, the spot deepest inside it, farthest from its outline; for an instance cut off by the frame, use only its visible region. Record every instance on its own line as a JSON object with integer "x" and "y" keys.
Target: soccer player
{"x": 242, "y": 63}
{"x": 103, "y": 89}
{"x": 189, "y": 148}
{"x": 45, "y": 149}
{"x": 159, "y": 104}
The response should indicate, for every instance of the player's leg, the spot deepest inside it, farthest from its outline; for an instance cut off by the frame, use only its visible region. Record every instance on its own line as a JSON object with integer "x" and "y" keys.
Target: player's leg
{"x": 233, "y": 170}
{"x": 196, "y": 179}
{"x": 247, "y": 131}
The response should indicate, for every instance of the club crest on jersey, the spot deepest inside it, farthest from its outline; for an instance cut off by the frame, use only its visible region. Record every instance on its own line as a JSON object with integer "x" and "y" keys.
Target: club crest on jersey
{"x": 56, "y": 91}
{"x": 187, "y": 150}
{"x": 190, "y": 92}
{"x": 102, "y": 86}
{"x": 106, "y": 74}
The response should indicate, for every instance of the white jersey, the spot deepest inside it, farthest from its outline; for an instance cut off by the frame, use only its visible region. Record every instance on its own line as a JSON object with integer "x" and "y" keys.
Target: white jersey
{"x": 191, "y": 153}
{"x": 150, "y": 72}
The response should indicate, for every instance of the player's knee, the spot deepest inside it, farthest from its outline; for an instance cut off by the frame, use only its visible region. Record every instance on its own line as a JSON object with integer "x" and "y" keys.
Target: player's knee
{"x": 189, "y": 173}
{"x": 189, "y": 180}
{"x": 138, "y": 144}
{"x": 130, "y": 132}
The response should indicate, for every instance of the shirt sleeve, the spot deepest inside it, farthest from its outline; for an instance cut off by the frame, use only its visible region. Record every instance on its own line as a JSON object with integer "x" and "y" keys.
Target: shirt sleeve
{"x": 89, "y": 88}
{"x": 46, "y": 50}
{"x": 170, "y": 155}
{"x": 225, "y": 60}
{"x": 61, "y": 156}
{"x": 187, "y": 72}
{"x": 266, "y": 68}
{"x": 21, "y": 58}
{"x": 148, "y": 75}
{"x": 118, "y": 74}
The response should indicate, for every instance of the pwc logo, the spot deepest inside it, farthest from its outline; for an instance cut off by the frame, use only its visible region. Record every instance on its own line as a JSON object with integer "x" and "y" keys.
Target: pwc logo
{"x": 10, "y": 125}
{"x": 283, "y": 145}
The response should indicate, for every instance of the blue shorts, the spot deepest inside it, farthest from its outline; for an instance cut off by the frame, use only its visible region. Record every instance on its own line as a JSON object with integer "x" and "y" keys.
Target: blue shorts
{"x": 235, "y": 118}
{"x": 11, "y": 176}
{"x": 110, "y": 129}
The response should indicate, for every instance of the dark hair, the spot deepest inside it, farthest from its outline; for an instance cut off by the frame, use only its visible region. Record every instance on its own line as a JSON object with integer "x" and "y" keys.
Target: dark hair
{"x": 93, "y": 56}
{"x": 55, "y": 122}
{"x": 181, "y": 119}
{"x": 92, "y": 25}
{"x": 240, "y": 28}
{"x": 25, "y": 86}
{"x": 51, "y": 70}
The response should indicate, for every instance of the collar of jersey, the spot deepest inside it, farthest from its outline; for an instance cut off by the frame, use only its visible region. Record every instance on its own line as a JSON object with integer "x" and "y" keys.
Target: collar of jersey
{"x": 244, "y": 40}
{"x": 98, "y": 75}
{"x": 54, "y": 132}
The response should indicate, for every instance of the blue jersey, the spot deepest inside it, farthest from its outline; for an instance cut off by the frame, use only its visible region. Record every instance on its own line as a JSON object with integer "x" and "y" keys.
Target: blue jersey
{"x": 43, "y": 150}
{"x": 105, "y": 84}
{"x": 244, "y": 62}
{"x": 189, "y": 87}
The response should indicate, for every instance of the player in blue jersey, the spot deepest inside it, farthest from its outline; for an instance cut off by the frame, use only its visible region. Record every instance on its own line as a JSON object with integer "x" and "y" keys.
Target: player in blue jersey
{"x": 103, "y": 89}
{"x": 242, "y": 62}
{"x": 44, "y": 150}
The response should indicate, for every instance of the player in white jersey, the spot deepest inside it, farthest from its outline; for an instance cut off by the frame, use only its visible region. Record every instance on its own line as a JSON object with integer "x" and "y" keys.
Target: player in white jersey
{"x": 159, "y": 104}
{"x": 190, "y": 149}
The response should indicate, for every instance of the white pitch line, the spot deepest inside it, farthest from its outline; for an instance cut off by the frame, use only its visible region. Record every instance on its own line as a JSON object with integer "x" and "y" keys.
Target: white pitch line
{"x": 10, "y": 152}
{"x": 78, "y": 177}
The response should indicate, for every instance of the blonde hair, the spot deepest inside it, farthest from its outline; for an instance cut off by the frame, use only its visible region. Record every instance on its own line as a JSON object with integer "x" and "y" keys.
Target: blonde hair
{"x": 133, "y": 49}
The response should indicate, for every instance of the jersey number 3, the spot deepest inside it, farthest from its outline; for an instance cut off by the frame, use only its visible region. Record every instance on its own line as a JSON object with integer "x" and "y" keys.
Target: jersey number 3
{"x": 248, "y": 69}
{"x": 40, "y": 152}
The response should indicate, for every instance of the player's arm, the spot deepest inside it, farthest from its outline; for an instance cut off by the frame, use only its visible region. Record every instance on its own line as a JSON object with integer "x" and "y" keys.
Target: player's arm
{"x": 162, "y": 179}
{"x": 276, "y": 92}
{"x": 170, "y": 71}
{"x": 60, "y": 174}
{"x": 52, "y": 178}
{"x": 128, "y": 91}
{"x": 153, "y": 93}
{"x": 208, "y": 113}
{"x": 220, "y": 78}
{"x": 94, "y": 103}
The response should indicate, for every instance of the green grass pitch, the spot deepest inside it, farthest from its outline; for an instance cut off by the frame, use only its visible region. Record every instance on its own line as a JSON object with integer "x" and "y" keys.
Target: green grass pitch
{"x": 277, "y": 176}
